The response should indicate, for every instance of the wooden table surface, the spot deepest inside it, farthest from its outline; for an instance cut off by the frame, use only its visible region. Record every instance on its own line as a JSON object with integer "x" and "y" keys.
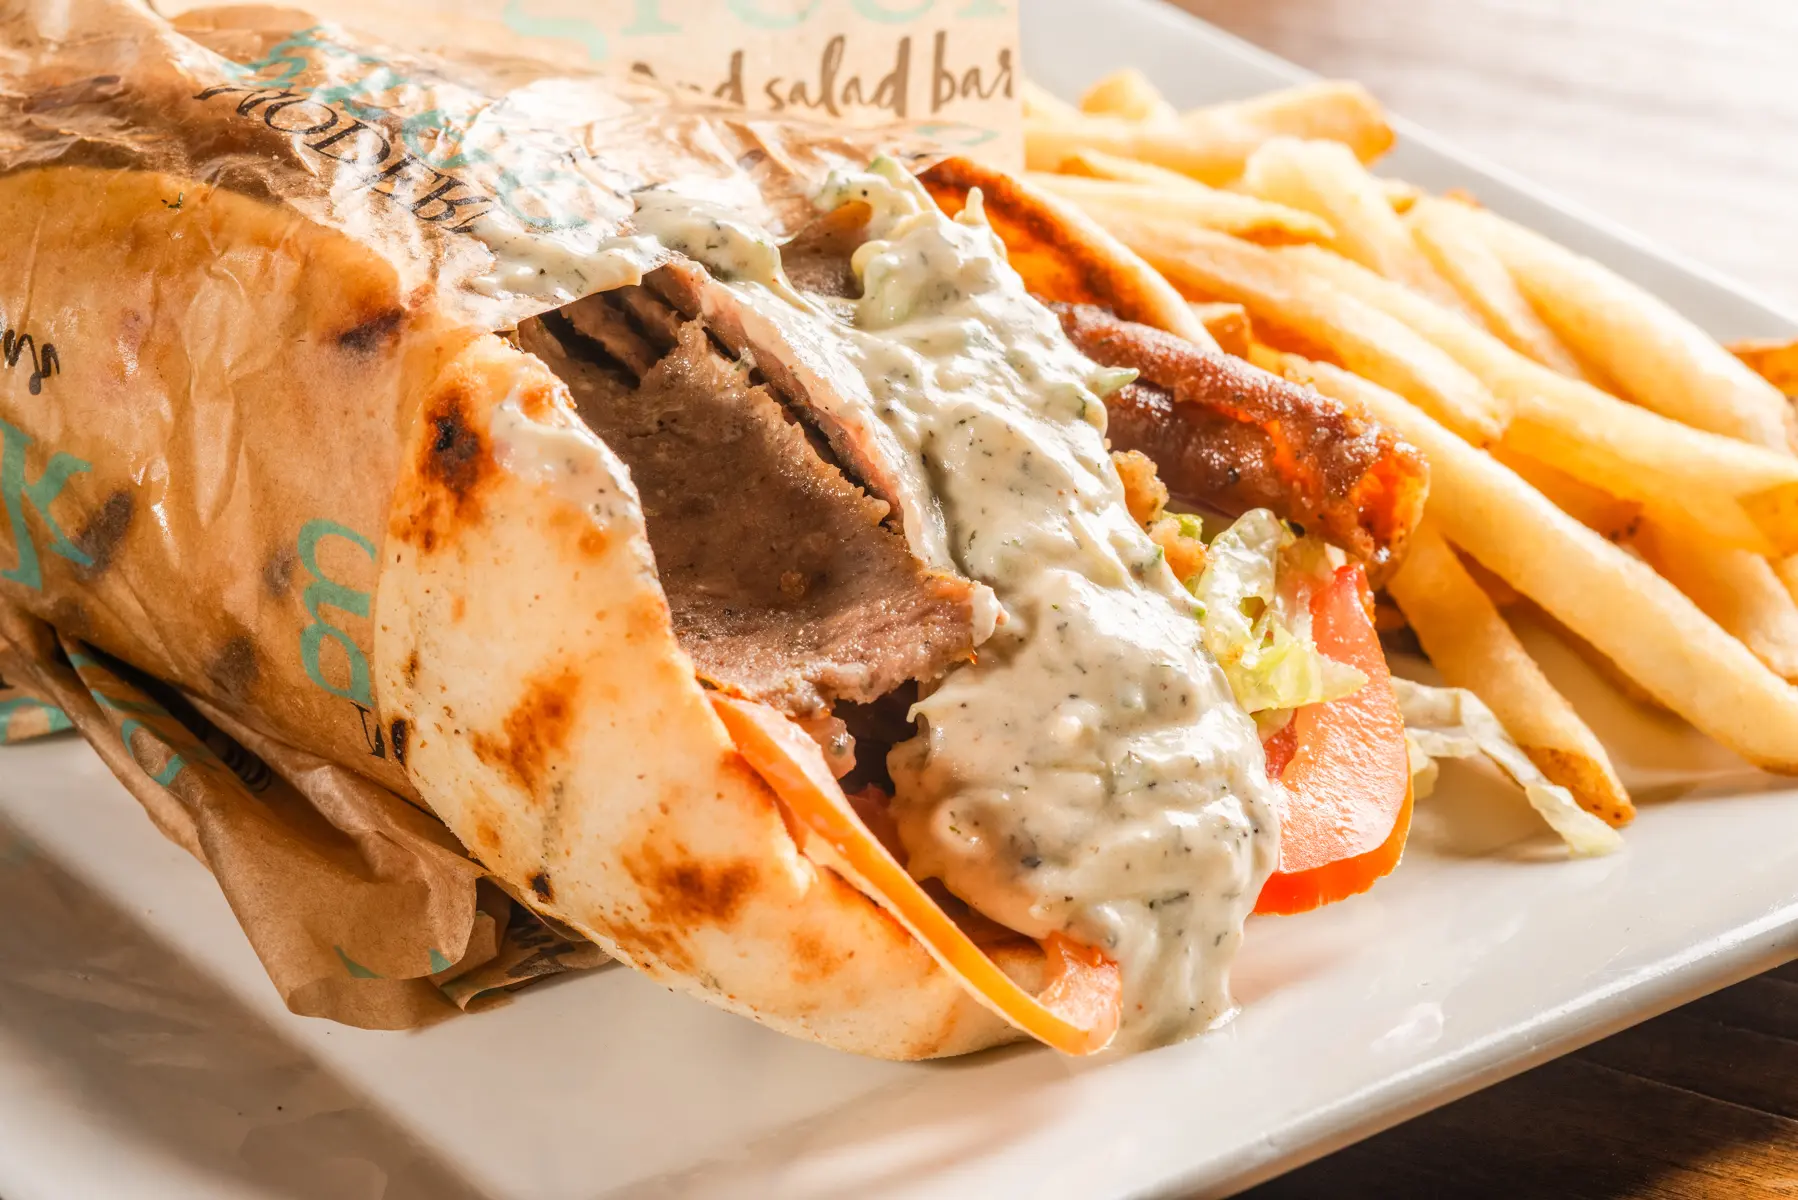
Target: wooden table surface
{"x": 1679, "y": 119}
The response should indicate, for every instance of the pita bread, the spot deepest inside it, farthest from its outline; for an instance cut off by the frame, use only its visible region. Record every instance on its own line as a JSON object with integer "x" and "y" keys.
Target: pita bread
{"x": 528, "y": 682}
{"x": 1063, "y": 254}
{"x": 319, "y": 492}
{"x": 576, "y": 754}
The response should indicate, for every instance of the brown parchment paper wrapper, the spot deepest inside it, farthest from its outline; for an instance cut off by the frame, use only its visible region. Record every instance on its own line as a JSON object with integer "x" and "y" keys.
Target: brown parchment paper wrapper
{"x": 951, "y": 64}
{"x": 197, "y": 455}
{"x": 362, "y": 907}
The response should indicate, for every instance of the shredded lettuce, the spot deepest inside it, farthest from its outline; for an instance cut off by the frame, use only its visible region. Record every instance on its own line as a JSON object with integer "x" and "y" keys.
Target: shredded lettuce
{"x": 1252, "y": 626}
{"x": 1191, "y": 525}
{"x": 1104, "y": 381}
{"x": 1454, "y": 723}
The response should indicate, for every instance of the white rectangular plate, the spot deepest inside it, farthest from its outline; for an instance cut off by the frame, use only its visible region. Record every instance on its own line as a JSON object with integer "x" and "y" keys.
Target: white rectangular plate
{"x": 143, "y": 1053}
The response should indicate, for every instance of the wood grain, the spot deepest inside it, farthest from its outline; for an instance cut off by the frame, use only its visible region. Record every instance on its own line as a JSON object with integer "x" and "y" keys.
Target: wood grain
{"x": 1679, "y": 119}
{"x": 1676, "y": 118}
{"x": 1700, "y": 1102}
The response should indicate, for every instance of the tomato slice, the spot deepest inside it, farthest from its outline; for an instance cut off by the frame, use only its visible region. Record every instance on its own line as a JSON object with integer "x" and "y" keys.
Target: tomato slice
{"x": 1348, "y": 777}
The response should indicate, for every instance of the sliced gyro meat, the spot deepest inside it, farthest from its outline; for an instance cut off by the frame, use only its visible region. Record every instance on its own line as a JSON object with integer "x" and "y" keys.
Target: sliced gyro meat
{"x": 654, "y": 316}
{"x": 805, "y": 364}
{"x": 595, "y": 317}
{"x": 799, "y": 599}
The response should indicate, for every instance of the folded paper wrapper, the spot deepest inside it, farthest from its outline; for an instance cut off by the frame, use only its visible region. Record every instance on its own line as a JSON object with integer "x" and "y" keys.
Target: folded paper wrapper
{"x": 951, "y": 63}
{"x": 362, "y": 907}
{"x": 443, "y": 200}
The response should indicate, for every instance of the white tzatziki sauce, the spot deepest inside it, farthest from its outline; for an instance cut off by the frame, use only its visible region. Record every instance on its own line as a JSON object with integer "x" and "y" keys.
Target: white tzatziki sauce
{"x": 554, "y": 267}
{"x": 1090, "y": 773}
{"x": 734, "y": 247}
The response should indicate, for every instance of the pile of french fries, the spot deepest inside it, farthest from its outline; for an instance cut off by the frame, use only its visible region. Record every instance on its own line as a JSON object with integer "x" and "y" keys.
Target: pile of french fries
{"x": 1592, "y": 452}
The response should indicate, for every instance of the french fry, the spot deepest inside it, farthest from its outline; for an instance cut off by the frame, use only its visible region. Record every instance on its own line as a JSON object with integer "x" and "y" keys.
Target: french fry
{"x": 1040, "y": 102}
{"x": 1787, "y": 570}
{"x": 1324, "y": 178}
{"x": 1658, "y": 358}
{"x": 1227, "y": 212}
{"x": 1328, "y": 111}
{"x": 1272, "y": 359}
{"x": 1613, "y": 600}
{"x": 1229, "y": 324}
{"x": 1497, "y": 590}
{"x": 1473, "y": 647}
{"x": 1589, "y": 654}
{"x": 1129, "y": 94}
{"x": 1211, "y": 145}
{"x": 1744, "y": 495}
{"x": 1400, "y": 194}
{"x": 1210, "y": 156}
{"x": 1096, "y": 164}
{"x": 1279, "y": 293}
{"x": 1613, "y": 518}
{"x": 1462, "y": 258}
{"x": 1776, "y": 362}
{"x": 1740, "y": 591}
